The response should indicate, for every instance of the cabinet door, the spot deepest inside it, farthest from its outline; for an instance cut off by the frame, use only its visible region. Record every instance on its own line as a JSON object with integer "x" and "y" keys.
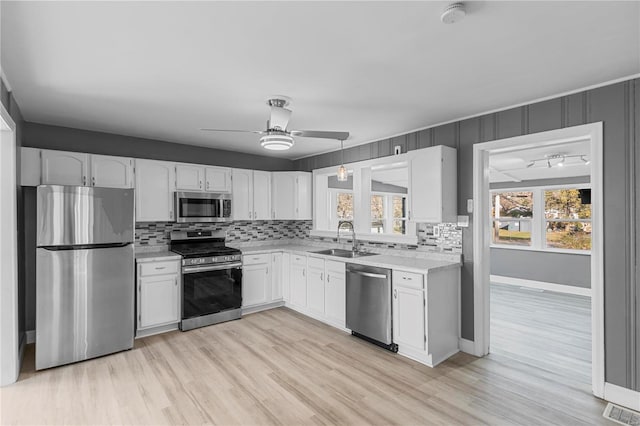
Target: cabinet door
{"x": 315, "y": 290}
{"x": 303, "y": 197}
{"x": 276, "y": 276}
{"x": 433, "y": 185}
{"x": 159, "y": 300}
{"x": 286, "y": 277}
{"x": 242, "y": 189}
{"x": 30, "y": 167}
{"x": 335, "y": 293}
{"x": 298, "y": 285}
{"x": 255, "y": 282}
{"x": 408, "y": 317}
{"x": 283, "y": 195}
{"x": 189, "y": 177}
{"x": 155, "y": 185}
{"x": 261, "y": 195}
{"x": 64, "y": 168}
{"x": 218, "y": 179}
{"x": 111, "y": 172}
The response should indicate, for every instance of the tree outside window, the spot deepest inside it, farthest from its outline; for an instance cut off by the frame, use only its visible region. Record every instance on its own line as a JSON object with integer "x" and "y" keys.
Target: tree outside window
{"x": 512, "y": 214}
{"x": 568, "y": 221}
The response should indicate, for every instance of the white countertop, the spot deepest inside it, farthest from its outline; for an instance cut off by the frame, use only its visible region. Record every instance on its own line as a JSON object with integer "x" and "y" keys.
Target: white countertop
{"x": 155, "y": 256}
{"x": 419, "y": 264}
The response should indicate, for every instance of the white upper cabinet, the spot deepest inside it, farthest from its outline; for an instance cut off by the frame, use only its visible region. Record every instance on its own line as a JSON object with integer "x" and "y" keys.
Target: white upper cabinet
{"x": 111, "y": 172}
{"x": 261, "y": 195}
{"x": 433, "y": 185}
{"x": 189, "y": 177}
{"x": 242, "y": 189}
{"x": 64, "y": 168}
{"x": 155, "y": 185}
{"x": 291, "y": 195}
{"x": 30, "y": 167}
{"x": 218, "y": 179}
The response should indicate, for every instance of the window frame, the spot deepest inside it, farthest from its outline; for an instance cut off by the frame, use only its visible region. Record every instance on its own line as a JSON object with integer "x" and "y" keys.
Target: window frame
{"x": 332, "y": 194}
{"x": 539, "y": 221}
{"x": 388, "y": 219}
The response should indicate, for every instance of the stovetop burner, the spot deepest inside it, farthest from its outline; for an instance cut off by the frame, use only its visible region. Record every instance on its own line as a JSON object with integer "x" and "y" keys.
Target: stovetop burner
{"x": 203, "y": 247}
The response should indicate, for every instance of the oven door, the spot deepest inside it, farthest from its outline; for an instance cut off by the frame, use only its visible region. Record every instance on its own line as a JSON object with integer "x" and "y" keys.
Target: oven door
{"x": 211, "y": 289}
{"x": 202, "y": 207}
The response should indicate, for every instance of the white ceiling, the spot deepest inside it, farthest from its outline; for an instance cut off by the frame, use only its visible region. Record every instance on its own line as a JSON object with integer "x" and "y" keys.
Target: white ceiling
{"x": 512, "y": 166}
{"x": 164, "y": 70}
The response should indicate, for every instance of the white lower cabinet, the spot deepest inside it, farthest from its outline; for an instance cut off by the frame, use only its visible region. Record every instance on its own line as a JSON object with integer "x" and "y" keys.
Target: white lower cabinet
{"x": 158, "y": 295}
{"x": 335, "y": 293}
{"x": 408, "y": 317}
{"x": 277, "y": 276}
{"x": 256, "y": 279}
{"x": 298, "y": 281}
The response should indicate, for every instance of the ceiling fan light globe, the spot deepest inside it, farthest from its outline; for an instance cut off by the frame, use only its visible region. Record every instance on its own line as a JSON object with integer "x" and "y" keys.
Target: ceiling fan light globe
{"x": 276, "y": 142}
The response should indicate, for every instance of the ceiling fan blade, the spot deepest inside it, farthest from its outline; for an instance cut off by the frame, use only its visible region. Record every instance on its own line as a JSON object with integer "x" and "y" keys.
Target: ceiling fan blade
{"x": 320, "y": 134}
{"x": 279, "y": 118}
{"x": 260, "y": 132}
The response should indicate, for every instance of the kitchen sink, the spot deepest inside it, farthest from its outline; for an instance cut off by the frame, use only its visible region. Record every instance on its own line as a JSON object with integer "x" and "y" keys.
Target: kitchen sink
{"x": 343, "y": 253}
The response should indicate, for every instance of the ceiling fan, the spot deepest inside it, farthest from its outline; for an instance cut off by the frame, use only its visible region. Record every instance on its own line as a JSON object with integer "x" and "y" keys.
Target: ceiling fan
{"x": 276, "y": 136}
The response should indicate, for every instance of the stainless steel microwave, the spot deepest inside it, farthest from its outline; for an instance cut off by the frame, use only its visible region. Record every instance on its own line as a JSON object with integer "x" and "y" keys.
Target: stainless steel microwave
{"x": 203, "y": 207}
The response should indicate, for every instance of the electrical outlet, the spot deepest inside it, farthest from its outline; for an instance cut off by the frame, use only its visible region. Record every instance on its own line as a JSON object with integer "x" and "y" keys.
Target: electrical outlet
{"x": 397, "y": 150}
{"x": 469, "y": 206}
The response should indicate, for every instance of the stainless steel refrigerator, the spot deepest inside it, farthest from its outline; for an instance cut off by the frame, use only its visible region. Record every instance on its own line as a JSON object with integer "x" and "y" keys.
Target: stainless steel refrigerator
{"x": 84, "y": 273}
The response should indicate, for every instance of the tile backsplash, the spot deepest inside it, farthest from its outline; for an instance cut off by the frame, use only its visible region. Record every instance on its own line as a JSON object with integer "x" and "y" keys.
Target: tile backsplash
{"x": 158, "y": 233}
{"x": 443, "y": 237}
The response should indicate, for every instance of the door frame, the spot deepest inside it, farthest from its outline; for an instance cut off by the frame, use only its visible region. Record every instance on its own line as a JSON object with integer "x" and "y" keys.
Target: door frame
{"x": 482, "y": 235}
{"x": 9, "y": 340}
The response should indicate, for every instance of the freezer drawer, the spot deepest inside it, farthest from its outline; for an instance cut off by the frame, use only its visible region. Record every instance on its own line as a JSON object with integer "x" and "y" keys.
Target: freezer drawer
{"x": 84, "y": 303}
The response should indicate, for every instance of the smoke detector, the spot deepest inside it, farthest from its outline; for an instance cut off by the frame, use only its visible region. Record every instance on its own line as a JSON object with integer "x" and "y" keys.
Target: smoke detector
{"x": 453, "y": 13}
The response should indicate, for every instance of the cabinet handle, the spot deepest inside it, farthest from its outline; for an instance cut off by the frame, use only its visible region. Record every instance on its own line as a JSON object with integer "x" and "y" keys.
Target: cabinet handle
{"x": 255, "y": 215}
{"x": 93, "y": 181}
{"x": 158, "y": 268}
{"x": 249, "y": 215}
{"x": 303, "y": 272}
{"x": 176, "y": 282}
{"x": 84, "y": 180}
{"x": 328, "y": 277}
{"x": 407, "y": 278}
{"x": 207, "y": 184}
{"x": 200, "y": 185}
{"x": 395, "y": 293}
{"x": 321, "y": 276}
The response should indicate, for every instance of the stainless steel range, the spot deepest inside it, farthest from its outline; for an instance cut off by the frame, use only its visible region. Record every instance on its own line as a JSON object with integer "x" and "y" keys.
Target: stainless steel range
{"x": 211, "y": 278}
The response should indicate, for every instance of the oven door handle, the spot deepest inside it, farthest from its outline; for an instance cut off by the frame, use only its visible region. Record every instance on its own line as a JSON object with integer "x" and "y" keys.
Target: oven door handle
{"x": 196, "y": 269}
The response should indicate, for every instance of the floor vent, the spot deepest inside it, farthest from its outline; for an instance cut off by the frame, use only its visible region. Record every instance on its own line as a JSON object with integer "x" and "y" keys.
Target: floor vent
{"x": 621, "y": 415}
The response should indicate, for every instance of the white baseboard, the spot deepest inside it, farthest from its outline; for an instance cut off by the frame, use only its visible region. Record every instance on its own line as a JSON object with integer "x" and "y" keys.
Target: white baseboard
{"x": 258, "y": 308}
{"x": 558, "y": 288}
{"x": 467, "y": 346}
{"x": 622, "y": 396}
{"x": 30, "y": 336}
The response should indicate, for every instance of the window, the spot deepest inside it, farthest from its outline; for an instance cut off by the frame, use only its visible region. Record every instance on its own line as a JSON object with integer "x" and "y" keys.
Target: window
{"x": 512, "y": 214}
{"x": 341, "y": 205}
{"x": 388, "y": 214}
{"x": 542, "y": 218}
{"x": 568, "y": 220}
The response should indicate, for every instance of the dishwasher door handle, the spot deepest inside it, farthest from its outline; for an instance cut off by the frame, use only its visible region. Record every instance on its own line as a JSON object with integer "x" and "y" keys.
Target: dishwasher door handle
{"x": 368, "y": 274}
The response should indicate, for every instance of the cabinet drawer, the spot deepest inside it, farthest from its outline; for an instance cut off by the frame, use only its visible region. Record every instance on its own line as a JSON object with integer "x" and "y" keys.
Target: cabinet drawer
{"x": 159, "y": 268}
{"x": 407, "y": 279}
{"x": 335, "y": 266}
{"x": 297, "y": 259}
{"x": 315, "y": 262}
{"x": 255, "y": 259}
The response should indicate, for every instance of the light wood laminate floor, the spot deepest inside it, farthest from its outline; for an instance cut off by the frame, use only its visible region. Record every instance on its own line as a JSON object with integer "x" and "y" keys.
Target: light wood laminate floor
{"x": 280, "y": 367}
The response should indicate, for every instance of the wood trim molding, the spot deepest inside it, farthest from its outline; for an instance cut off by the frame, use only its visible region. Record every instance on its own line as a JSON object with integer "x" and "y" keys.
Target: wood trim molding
{"x": 558, "y": 288}
{"x": 622, "y": 396}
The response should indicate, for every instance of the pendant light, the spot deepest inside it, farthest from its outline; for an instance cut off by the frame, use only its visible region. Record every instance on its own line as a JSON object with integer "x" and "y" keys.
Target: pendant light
{"x": 343, "y": 175}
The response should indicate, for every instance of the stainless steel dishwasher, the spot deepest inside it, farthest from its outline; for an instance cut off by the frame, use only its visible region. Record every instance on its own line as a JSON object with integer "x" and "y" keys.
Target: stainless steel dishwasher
{"x": 369, "y": 304}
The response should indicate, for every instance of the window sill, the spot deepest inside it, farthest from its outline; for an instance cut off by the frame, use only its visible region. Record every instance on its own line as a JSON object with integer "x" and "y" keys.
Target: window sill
{"x": 546, "y": 250}
{"x": 382, "y": 238}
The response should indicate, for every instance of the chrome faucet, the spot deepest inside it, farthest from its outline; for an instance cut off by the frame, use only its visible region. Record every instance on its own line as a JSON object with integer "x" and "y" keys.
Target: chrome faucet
{"x": 353, "y": 233}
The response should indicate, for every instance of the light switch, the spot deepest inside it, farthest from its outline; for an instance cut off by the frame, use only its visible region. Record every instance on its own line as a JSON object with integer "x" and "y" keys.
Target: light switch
{"x": 470, "y": 205}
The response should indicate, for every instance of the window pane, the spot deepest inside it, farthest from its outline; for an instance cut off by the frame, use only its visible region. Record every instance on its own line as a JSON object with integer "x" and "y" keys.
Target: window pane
{"x": 565, "y": 204}
{"x": 512, "y": 232}
{"x": 344, "y": 206}
{"x": 399, "y": 206}
{"x": 512, "y": 204}
{"x": 399, "y": 227}
{"x": 377, "y": 214}
{"x": 569, "y": 235}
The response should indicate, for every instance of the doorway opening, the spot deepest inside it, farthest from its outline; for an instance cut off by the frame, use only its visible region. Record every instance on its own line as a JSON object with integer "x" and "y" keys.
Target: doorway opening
{"x": 538, "y": 270}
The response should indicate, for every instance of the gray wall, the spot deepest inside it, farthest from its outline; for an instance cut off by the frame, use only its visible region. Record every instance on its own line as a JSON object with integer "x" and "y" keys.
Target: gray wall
{"x": 11, "y": 106}
{"x": 557, "y": 268}
{"x": 616, "y": 105}
{"x": 68, "y": 139}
